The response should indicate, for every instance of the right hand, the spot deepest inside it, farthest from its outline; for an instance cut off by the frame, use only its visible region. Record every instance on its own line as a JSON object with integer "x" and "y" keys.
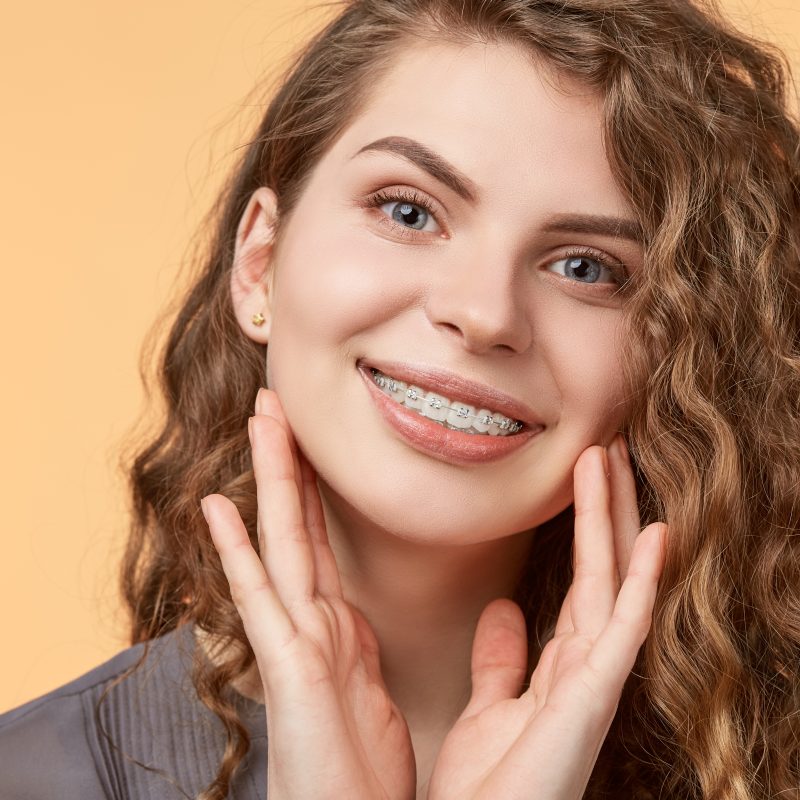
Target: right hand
{"x": 333, "y": 729}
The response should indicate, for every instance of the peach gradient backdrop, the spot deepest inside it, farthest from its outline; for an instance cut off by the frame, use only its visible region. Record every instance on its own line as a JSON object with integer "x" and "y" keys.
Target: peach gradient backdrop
{"x": 118, "y": 126}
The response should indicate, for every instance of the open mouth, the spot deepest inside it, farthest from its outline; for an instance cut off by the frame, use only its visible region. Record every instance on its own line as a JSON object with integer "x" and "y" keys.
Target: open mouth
{"x": 435, "y": 424}
{"x": 449, "y": 413}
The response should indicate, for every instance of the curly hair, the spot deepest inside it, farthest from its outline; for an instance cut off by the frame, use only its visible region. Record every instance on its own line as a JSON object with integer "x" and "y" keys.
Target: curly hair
{"x": 699, "y": 135}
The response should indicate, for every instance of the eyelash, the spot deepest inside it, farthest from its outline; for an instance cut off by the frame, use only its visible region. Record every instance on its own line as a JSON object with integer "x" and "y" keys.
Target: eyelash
{"x": 407, "y": 196}
{"x": 379, "y": 198}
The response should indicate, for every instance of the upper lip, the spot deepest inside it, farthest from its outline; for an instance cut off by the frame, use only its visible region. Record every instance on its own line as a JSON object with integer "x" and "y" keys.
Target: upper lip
{"x": 457, "y": 387}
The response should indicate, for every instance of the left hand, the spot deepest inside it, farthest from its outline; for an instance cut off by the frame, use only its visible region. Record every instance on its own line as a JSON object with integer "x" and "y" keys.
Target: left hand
{"x": 543, "y": 744}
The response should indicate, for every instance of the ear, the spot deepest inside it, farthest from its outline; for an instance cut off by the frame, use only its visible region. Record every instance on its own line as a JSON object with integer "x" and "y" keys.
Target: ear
{"x": 251, "y": 276}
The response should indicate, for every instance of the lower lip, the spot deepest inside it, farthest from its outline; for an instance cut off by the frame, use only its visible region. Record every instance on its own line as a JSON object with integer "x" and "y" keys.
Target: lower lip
{"x": 443, "y": 443}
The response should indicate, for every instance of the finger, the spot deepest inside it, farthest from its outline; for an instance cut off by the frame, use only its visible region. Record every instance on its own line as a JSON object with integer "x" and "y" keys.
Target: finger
{"x": 265, "y": 620}
{"x": 325, "y": 566}
{"x": 624, "y": 506}
{"x": 499, "y": 655}
{"x": 614, "y": 652}
{"x": 285, "y": 544}
{"x": 564, "y": 624}
{"x": 267, "y": 403}
{"x": 624, "y": 520}
{"x": 594, "y": 585}
{"x": 370, "y": 649}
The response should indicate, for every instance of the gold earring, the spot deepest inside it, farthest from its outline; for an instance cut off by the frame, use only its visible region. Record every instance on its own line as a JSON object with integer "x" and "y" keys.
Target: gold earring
{"x": 258, "y": 319}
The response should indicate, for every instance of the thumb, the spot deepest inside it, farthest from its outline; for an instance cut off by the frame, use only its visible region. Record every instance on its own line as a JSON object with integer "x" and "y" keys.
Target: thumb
{"x": 499, "y": 655}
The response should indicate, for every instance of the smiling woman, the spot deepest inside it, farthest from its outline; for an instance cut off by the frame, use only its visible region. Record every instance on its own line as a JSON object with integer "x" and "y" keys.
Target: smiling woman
{"x": 517, "y": 307}
{"x": 481, "y": 285}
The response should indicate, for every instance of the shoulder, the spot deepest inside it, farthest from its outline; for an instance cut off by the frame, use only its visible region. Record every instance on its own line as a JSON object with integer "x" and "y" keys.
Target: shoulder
{"x": 131, "y": 727}
{"x": 45, "y": 748}
{"x": 52, "y": 703}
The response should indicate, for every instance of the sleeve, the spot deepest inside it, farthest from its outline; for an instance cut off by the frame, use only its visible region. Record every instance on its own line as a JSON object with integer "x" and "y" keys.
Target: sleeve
{"x": 45, "y": 753}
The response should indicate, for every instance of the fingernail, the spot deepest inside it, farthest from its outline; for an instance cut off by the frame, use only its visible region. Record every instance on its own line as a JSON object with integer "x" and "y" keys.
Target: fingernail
{"x": 622, "y": 449}
{"x": 260, "y": 401}
{"x": 605, "y": 459}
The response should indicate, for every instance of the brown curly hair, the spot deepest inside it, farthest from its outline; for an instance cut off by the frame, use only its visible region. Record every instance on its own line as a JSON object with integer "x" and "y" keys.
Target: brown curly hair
{"x": 699, "y": 135}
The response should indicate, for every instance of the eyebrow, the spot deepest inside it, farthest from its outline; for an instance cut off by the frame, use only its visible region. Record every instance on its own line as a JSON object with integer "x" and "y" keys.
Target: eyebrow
{"x": 428, "y": 160}
{"x": 443, "y": 171}
{"x": 597, "y": 224}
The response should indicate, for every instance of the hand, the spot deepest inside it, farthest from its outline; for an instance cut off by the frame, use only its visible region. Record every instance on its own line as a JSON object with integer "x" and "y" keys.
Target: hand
{"x": 544, "y": 743}
{"x": 333, "y": 730}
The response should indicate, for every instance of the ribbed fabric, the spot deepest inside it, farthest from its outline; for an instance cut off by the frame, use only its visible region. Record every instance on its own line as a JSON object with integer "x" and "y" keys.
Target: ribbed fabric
{"x": 54, "y": 746}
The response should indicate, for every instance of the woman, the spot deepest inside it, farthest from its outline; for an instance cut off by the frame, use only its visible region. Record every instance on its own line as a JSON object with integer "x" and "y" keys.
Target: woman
{"x": 522, "y": 279}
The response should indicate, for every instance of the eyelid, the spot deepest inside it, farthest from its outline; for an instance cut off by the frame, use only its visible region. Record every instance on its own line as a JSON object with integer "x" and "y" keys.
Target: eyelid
{"x": 416, "y": 197}
{"x": 614, "y": 266}
{"x": 395, "y": 194}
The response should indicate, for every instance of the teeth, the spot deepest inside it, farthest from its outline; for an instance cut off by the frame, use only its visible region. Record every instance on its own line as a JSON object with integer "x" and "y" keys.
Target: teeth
{"x": 397, "y": 389}
{"x": 483, "y": 420}
{"x": 449, "y": 413}
{"x": 415, "y": 397}
{"x": 435, "y": 407}
{"x": 461, "y": 415}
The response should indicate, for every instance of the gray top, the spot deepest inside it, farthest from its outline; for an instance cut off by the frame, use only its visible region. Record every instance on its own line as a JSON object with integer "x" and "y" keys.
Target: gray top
{"x": 52, "y": 747}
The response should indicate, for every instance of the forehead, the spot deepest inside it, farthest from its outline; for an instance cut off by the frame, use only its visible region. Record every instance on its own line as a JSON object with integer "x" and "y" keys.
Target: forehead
{"x": 509, "y": 122}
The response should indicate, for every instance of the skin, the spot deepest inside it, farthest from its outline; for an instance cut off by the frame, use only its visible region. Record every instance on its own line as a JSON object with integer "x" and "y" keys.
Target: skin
{"x": 371, "y": 608}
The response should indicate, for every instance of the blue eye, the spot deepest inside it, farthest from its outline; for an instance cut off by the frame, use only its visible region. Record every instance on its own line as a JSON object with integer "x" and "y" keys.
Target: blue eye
{"x": 409, "y": 214}
{"x": 588, "y": 268}
{"x": 411, "y": 211}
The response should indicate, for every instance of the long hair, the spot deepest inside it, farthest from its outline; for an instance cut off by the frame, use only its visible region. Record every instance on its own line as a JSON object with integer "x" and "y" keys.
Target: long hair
{"x": 701, "y": 141}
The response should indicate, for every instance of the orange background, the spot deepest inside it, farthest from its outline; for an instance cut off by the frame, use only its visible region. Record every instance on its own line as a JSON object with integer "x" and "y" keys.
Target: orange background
{"x": 119, "y": 122}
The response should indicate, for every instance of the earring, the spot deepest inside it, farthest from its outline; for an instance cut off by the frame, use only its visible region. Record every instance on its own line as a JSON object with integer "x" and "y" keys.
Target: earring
{"x": 258, "y": 319}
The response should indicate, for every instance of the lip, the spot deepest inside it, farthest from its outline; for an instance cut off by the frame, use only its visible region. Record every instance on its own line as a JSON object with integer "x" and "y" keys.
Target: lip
{"x": 426, "y": 436}
{"x": 456, "y": 387}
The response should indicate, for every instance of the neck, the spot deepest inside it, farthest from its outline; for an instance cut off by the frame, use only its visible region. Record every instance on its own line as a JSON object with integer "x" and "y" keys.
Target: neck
{"x": 423, "y": 601}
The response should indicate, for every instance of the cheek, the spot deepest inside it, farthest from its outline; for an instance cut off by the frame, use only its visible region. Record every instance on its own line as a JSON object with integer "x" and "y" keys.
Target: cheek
{"x": 585, "y": 361}
{"x": 333, "y": 284}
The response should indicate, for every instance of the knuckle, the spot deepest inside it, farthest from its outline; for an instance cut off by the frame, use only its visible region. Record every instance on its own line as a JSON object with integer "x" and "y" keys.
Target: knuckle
{"x": 299, "y": 609}
{"x": 242, "y": 544}
{"x": 242, "y": 593}
{"x": 640, "y": 626}
{"x": 294, "y": 532}
{"x": 600, "y": 696}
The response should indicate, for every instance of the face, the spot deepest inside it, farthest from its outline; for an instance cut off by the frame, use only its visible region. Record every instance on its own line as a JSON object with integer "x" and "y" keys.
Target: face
{"x": 494, "y": 287}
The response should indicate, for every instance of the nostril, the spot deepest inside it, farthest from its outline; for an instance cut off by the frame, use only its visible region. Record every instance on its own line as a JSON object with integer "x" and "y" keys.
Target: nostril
{"x": 480, "y": 327}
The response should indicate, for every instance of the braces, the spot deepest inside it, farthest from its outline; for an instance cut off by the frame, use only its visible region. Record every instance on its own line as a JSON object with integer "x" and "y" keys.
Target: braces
{"x": 385, "y": 382}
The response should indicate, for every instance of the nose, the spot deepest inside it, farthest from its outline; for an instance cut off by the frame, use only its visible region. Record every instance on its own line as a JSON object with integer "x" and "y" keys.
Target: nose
{"x": 478, "y": 302}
